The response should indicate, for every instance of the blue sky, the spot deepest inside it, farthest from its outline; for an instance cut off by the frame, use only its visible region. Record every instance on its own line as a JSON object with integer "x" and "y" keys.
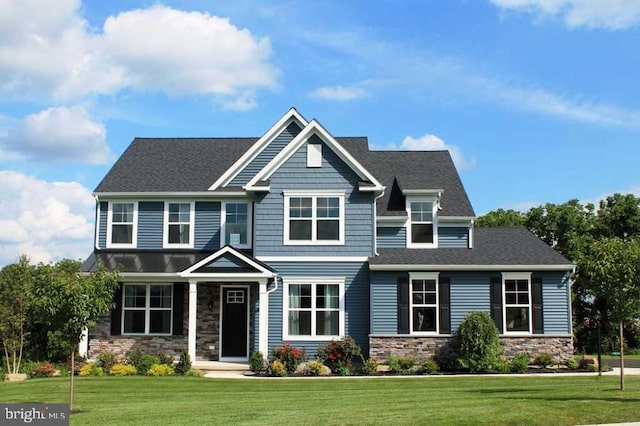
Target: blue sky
{"x": 538, "y": 100}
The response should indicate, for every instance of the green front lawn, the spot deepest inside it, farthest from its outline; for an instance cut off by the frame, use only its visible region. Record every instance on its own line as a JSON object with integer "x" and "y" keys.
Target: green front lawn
{"x": 432, "y": 400}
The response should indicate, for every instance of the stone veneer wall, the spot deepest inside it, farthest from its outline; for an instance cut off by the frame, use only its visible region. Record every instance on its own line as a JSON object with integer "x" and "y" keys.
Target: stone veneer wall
{"x": 382, "y": 347}
{"x": 207, "y": 330}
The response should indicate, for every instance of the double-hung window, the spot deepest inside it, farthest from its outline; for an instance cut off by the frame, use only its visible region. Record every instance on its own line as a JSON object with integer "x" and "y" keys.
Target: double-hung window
{"x": 422, "y": 228}
{"x": 147, "y": 308}
{"x": 121, "y": 224}
{"x": 423, "y": 303}
{"x": 179, "y": 225}
{"x": 314, "y": 309}
{"x": 314, "y": 219}
{"x": 236, "y": 224}
{"x": 517, "y": 303}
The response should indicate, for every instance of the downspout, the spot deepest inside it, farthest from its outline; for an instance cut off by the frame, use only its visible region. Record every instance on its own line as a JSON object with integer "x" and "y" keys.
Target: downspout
{"x": 375, "y": 222}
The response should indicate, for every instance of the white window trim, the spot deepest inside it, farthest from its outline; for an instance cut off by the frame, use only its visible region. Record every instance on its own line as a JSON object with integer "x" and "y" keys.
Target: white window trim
{"x": 516, "y": 276}
{"x": 223, "y": 223}
{"x": 165, "y": 231}
{"x": 424, "y": 276}
{"x": 314, "y": 198}
{"x": 147, "y": 311}
{"x": 434, "y": 201}
{"x": 313, "y": 281}
{"x": 134, "y": 236}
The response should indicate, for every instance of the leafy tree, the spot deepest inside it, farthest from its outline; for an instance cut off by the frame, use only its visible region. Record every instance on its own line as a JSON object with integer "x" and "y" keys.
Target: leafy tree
{"x": 73, "y": 302}
{"x": 612, "y": 266}
{"x": 619, "y": 216}
{"x": 501, "y": 217}
{"x": 16, "y": 297}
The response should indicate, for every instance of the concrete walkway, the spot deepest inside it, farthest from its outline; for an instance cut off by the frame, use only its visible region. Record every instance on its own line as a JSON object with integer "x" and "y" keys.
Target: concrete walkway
{"x": 238, "y": 374}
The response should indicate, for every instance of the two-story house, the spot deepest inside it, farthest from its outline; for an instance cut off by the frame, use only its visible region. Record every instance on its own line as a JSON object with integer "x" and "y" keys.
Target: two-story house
{"x": 232, "y": 245}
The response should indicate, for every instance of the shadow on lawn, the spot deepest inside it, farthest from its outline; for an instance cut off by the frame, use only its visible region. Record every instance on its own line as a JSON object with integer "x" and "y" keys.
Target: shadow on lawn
{"x": 528, "y": 393}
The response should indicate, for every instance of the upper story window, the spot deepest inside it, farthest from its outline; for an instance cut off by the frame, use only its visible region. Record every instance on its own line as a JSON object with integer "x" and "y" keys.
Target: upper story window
{"x": 424, "y": 303}
{"x": 517, "y": 303}
{"x": 423, "y": 231}
{"x": 314, "y": 219}
{"x": 178, "y": 225}
{"x": 236, "y": 224}
{"x": 122, "y": 226}
{"x": 147, "y": 309}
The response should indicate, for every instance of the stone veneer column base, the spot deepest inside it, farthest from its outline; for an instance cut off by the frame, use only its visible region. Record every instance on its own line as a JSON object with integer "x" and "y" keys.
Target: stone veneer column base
{"x": 422, "y": 347}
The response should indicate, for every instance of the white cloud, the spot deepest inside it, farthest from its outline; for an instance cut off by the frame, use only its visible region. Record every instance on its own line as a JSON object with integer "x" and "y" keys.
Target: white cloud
{"x": 433, "y": 143}
{"x": 338, "y": 93}
{"x": 59, "y": 134}
{"x": 51, "y": 51}
{"x": 44, "y": 220}
{"x": 606, "y": 14}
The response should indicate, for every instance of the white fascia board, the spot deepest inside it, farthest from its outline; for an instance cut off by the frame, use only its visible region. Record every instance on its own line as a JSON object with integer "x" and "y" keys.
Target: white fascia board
{"x": 312, "y": 128}
{"x": 456, "y": 218}
{"x": 165, "y": 195}
{"x": 396, "y": 220}
{"x": 312, "y": 258}
{"x": 149, "y": 276}
{"x": 418, "y": 192}
{"x": 226, "y": 249}
{"x": 471, "y": 267}
{"x": 230, "y": 276}
{"x": 291, "y": 116}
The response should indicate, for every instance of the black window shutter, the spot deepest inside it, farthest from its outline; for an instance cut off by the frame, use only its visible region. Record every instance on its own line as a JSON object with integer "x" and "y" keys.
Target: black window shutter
{"x": 178, "y": 309}
{"x": 116, "y": 312}
{"x": 444, "y": 296}
{"x": 538, "y": 323}
{"x": 403, "y": 304}
{"x": 496, "y": 302}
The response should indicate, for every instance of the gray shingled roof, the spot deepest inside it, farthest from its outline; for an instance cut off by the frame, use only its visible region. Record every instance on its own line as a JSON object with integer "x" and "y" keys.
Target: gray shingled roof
{"x": 491, "y": 246}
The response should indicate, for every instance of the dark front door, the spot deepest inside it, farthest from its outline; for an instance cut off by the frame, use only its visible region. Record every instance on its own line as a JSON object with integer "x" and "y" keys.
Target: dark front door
{"x": 234, "y": 322}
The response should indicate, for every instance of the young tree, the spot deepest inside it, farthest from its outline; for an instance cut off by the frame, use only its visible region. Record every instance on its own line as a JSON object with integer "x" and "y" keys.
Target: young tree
{"x": 73, "y": 302}
{"x": 612, "y": 266}
{"x": 16, "y": 297}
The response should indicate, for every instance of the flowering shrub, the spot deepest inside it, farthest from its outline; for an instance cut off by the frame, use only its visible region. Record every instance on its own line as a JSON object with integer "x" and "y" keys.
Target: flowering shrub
{"x": 338, "y": 355}
{"x": 314, "y": 368}
{"x": 123, "y": 370}
{"x": 289, "y": 357}
{"x": 45, "y": 370}
{"x": 91, "y": 370}
{"x": 161, "y": 370}
{"x": 370, "y": 366}
{"x": 276, "y": 368}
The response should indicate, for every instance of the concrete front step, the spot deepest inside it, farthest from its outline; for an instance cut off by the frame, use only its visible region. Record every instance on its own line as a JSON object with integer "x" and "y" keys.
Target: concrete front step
{"x": 220, "y": 366}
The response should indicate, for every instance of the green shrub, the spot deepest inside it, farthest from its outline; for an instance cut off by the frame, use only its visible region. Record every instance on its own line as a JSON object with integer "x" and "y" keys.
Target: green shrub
{"x": 165, "y": 359}
{"x": 571, "y": 363}
{"x": 429, "y": 366}
{"x": 194, "y": 372}
{"x": 503, "y": 366}
{"x": 256, "y": 362}
{"x": 106, "y": 360}
{"x": 520, "y": 362}
{"x": 46, "y": 369}
{"x": 314, "y": 368}
{"x": 184, "y": 364}
{"x": 277, "y": 369}
{"x": 122, "y": 370}
{"x": 338, "y": 355}
{"x": 160, "y": 370}
{"x": 479, "y": 343}
{"x": 91, "y": 370}
{"x": 543, "y": 360}
{"x": 369, "y": 367}
{"x": 141, "y": 361}
{"x": 289, "y": 357}
{"x": 588, "y": 364}
{"x": 401, "y": 364}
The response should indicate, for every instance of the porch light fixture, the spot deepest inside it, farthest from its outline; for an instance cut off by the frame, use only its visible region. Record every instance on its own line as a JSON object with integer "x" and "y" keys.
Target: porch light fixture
{"x": 210, "y": 305}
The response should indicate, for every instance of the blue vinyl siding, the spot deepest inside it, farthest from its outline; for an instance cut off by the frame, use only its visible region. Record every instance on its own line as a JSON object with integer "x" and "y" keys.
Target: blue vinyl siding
{"x": 266, "y": 155}
{"x": 453, "y": 237}
{"x": 150, "y": 224}
{"x": 226, "y": 261}
{"x": 102, "y": 231}
{"x": 333, "y": 175}
{"x": 392, "y": 237}
{"x": 207, "y": 232}
{"x": 356, "y": 300}
{"x": 470, "y": 291}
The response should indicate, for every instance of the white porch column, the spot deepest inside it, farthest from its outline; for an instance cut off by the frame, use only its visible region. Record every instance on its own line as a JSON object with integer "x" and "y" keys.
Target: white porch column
{"x": 263, "y": 323}
{"x": 83, "y": 347}
{"x": 193, "y": 309}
